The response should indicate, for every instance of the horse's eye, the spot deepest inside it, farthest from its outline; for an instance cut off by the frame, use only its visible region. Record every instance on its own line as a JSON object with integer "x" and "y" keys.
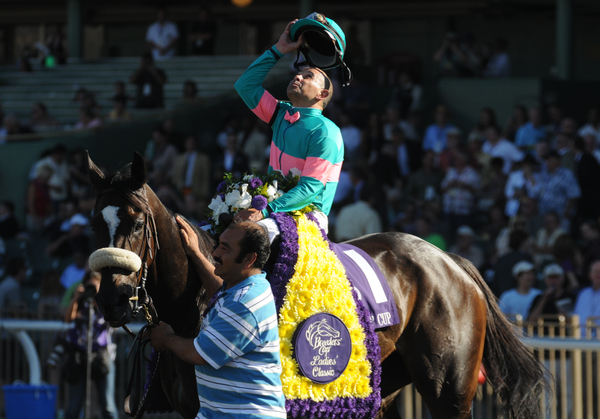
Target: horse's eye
{"x": 138, "y": 226}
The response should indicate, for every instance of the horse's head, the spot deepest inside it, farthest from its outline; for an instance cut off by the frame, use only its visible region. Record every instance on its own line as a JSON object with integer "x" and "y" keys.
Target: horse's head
{"x": 123, "y": 222}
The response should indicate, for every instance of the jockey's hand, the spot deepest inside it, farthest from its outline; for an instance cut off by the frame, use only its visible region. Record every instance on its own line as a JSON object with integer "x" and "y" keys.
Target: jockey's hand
{"x": 188, "y": 237}
{"x": 160, "y": 336}
{"x": 251, "y": 214}
{"x": 285, "y": 43}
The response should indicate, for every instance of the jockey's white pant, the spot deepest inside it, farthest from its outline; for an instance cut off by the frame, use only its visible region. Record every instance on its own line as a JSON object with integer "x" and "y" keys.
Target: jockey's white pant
{"x": 273, "y": 229}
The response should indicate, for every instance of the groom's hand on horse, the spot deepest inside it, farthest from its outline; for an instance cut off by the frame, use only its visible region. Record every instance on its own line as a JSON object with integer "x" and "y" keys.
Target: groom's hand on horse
{"x": 188, "y": 237}
{"x": 251, "y": 214}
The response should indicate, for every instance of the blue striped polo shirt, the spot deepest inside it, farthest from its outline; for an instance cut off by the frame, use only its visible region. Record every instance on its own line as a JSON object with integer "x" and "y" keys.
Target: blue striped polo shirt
{"x": 239, "y": 340}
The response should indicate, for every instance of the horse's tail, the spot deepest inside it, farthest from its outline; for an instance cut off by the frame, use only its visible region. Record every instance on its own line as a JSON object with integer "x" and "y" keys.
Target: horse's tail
{"x": 511, "y": 368}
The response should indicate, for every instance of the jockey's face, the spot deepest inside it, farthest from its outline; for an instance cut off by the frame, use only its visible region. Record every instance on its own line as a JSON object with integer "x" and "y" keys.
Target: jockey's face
{"x": 225, "y": 256}
{"x": 307, "y": 87}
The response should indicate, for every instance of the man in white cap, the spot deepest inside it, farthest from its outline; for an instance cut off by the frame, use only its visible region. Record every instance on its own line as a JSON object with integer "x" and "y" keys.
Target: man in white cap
{"x": 517, "y": 301}
{"x": 556, "y": 299}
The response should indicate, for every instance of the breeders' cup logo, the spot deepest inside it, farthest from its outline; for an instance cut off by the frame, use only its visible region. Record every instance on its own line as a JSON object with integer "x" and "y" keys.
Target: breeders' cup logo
{"x": 322, "y": 347}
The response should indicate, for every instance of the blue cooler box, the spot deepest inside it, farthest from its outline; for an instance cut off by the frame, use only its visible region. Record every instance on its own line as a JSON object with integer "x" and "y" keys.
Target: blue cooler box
{"x": 30, "y": 402}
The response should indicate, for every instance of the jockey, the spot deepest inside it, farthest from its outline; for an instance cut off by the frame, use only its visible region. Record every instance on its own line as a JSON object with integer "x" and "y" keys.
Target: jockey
{"x": 303, "y": 139}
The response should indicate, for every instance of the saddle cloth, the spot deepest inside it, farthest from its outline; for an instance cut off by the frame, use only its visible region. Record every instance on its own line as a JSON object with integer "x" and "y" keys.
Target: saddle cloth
{"x": 324, "y": 324}
{"x": 369, "y": 283}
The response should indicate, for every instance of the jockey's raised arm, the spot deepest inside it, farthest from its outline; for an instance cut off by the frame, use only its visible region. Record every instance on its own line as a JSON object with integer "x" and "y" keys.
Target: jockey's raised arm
{"x": 303, "y": 139}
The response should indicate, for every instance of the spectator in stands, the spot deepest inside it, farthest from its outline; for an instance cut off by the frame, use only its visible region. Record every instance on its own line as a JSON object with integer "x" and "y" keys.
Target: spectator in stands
{"x": 51, "y": 293}
{"x": 564, "y": 146}
{"x": 555, "y": 115}
{"x": 372, "y": 137}
{"x": 254, "y": 142}
{"x": 119, "y": 112}
{"x": 190, "y": 91}
{"x": 230, "y": 126}
{"x": 10, "y": 287}
{"x": 162, "y": 36}
{"x": 160, "y": 157}
{"x": 516, "y": 222}
{"x": 57, "y": 47}
{"x": 568, "y": 126}
{"x": 407, "y": 154}
{"x": 521, "y": 183}
{"x": 455, "y": 58}
{"x": 149, "y": 81}
{"x": 556, "y": 299}
{"x": 359, "y": 218}
{"x": 487, "y": 118}
{"x": 493, "y": 183}
{"x": 407, "y": 95}
{"x": 588, "y": 301}
{"x": 174, "y": 136}
{"x": 424, "y": 185}
{"x": 503, "y": 277}
{"x": 75, "y": 271}
{"x": 496, "y": 146}
{"x": 567, "y": 256}
{"x": 517, "y": 120}
{"x": 203, "y": 33}
{"x": 39, "y": 206}
{"x": 72, "y": 241}
{"x": 558, "y": 190}
{"x": 590, "y": 233}
{"x": 9, "y": 225}
{"x": 12, "y": 126}
{"x": 517, "y": 301}
{"x": 529, "y": 211}
{"x": 587, "y": 172}
{"x": 351, "y": 136}
{"x": 592, "y": 127}
{"x": 191, "y": 177}
{"x": 460, "y": 188}
{"x": 545, "y": 239}
{"x": 390, "y": 119}
{"x": 496, "y": 222}
{"x": 40, "y": 119}
{"x": 532, "y": 132}
{"x": 436, "y": 133}
{"x": 87, "y": 119}
{"x": 591, "y": 146}
{"x": 424, "y": 229}
{"x": 453, "y": 145}
{"x": 499, "y": 63}
{"x": 465, "y": 246}
{"x": 61, "y": 222}
{"x": 231, "y": 160}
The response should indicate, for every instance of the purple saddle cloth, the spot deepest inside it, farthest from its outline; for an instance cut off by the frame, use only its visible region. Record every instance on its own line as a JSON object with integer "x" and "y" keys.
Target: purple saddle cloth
{"x": 370, "y": 284}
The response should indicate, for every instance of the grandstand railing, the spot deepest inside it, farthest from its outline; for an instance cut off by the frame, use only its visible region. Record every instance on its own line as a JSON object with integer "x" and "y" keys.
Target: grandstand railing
{"x": 569, "y": 350}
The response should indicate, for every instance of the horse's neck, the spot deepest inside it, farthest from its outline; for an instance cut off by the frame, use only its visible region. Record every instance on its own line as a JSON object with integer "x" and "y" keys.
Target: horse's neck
{"x": 172, "y": 279}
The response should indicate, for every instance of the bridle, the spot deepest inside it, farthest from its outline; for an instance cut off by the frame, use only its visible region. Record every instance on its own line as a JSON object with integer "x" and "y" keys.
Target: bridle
{"x": 140, "y": 299}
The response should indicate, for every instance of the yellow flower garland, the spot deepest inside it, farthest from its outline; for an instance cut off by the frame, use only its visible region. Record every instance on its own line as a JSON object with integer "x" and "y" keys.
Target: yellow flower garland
{"x": 319, "y": 285}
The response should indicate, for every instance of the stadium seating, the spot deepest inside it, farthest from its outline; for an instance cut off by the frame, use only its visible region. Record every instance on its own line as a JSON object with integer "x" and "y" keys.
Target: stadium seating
{"x": 56, "y": 87}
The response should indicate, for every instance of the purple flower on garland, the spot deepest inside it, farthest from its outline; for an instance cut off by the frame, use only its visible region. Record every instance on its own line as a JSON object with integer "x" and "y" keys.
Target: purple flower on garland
{"x": 203, "y": 223}
{"x": 255, "y": 183}
{"x": 259, "y": 202}
{"x": 221, "y": 187}
{"x": 222, "y": 197}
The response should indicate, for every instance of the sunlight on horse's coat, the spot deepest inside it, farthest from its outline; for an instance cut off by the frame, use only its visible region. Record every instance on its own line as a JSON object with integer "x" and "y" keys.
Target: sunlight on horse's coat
{"x": 109, "y": 214}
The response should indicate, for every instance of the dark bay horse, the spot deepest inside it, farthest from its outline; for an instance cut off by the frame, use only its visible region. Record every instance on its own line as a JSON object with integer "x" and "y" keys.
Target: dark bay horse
{"x": 449, "y": 320}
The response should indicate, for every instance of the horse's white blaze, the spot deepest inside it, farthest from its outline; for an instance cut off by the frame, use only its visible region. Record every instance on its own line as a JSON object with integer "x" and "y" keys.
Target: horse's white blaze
{"x": 109, "y": 214}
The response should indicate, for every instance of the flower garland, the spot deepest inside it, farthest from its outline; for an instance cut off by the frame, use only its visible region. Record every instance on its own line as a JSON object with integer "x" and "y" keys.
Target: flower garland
{"x": 252, "y": 191}
{"x": 303, "y": 286}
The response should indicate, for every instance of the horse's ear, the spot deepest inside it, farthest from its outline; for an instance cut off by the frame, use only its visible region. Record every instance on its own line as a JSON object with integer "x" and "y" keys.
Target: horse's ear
{"x": 96, "y": 176}
{"x": 138, "y": 169}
